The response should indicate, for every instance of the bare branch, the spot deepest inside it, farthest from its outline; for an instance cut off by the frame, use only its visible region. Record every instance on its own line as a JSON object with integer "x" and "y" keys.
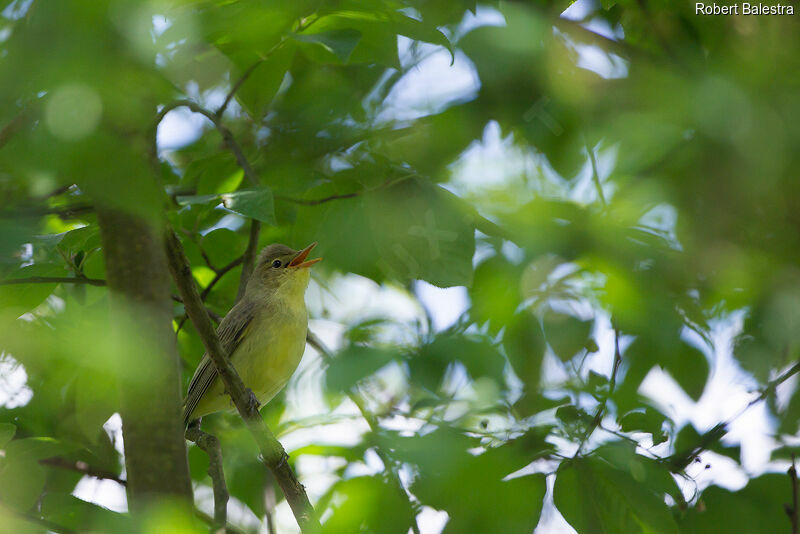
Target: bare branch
{"x": 791, "y": 510}
{"x": 61, "y": 211}
{"x": 241, "y": 159}
{"x": 595, "y": 174}
{"x": 246, "y": 74}
{"x": 249, "y": 258}
{"x": 226, "y": 134}
{"x": 82, "y": 467}
{"x": 243, "y": 78}
{"x": 210, "y": 444}
{"x": 612, "y": 384}
{"x": 272, "y": 453}
{"x": 220, "y": 273}
{"x": 52, "y": 280}
{"x": 314, "y": 202}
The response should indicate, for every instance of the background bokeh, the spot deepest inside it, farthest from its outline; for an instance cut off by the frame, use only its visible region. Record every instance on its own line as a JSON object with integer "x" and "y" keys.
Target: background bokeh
{"x": 560, "y": 288}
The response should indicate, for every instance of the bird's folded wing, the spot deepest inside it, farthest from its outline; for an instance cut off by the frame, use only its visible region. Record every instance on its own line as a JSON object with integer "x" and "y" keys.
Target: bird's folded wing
{"x": 231, "y": 331}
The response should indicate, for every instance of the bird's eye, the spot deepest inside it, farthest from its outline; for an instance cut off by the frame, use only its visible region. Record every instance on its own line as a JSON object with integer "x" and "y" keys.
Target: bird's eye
{"x": 276, "y": 263}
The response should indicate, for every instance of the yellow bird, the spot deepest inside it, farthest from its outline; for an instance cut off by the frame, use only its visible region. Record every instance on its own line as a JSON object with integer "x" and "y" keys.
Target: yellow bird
{"x": 264, "y": 334}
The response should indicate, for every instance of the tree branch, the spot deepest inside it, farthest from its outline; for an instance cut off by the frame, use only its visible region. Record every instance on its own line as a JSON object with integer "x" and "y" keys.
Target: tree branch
{"x": 249, "y": 258}
{"x": 791, "y": 510}
{"x": 612, "y": 384}
{"x": 314, "y": 202}
{"x": 52, "y": 280}
{"x": 595, "y": 174}
{"x": 220, "y": 273}
{"x": 244, "y": 164}
{"x": 210, "y": 444}
{"x": 216, "y": 120}
{"x": 246, "y": 74}
{"x": 82, "y": 467}
{"x": 61, "y": 211}
{"x": 272, "y": 453}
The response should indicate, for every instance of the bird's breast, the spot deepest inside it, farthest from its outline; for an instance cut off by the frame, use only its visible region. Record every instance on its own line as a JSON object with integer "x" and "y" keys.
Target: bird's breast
{"x": 272, "y": 350}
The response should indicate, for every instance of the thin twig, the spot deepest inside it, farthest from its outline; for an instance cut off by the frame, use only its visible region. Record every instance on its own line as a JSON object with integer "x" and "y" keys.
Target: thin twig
{"x": 612, "y": 383}
{"x": 243, "y": 78}
{"x": 680, "y": 459}
{"x": 211, "y": 313}
{"x": 204, "y": 294}
{"x": 316, "y": 201}
{"x": 82, "y": 467}
{"x": 208, "y": 520}
{"x": 595, "y": 174}
{"x": 792, "y": 510}
{"x": 220, "y": 273}
{"x": 269, "y": 507}
{"x": 210, "y": 445}
{"x": 53, "y": 280}
{"x": 389, "y": 463}
{"x": 61, "y": 211}
{"x": 272, "y": 453}
{"x": 246, "y": 74}
{"x": 241, "y": 160}
{"x": 249, "y": 258}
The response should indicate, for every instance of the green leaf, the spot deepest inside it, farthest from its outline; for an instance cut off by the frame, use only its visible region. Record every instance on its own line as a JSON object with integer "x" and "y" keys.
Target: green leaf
{"x": 259, "y": 89}
{"x": 422, "y": 231}
{"x": 255, "y": 203}
{"x": 354, "y": 364}
{"x": 594, "y": 497}
{"x": 495, "y": 293}
{"x": 650, "y": 421}
{"x": 7, "y": 431}
{"x": 25, "y": 297}
{"x": 85, "y": 238}
{"x": 524, "y": 345}
{"x": 411, "y": 230}
{"x": 689, "y": 367}
{"x": 420, "y": 31}
{"x": 478, "y": 355}
{"x": 223, "y": 246}
{"x": 368, "y": 504}
{"x": 21, "y": 483}
{"x": 565, "y": 333}
{"x": 475, "y": 490}
{"x": 81, "y": 516}
{"x": 339, "y": 43}
{"x": 247, "y": 478}
{"x": 96, "y": 399}
{"x": 34, "y": 449}
{"x": 756, "y": 508}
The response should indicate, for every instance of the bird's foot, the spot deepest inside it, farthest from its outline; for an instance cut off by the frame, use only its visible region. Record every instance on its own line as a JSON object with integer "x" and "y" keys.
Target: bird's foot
{"x": 252, "y": 400}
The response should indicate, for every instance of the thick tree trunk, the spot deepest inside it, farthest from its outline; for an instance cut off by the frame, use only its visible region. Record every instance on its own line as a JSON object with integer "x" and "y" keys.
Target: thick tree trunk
{"x": 138, "y": 278}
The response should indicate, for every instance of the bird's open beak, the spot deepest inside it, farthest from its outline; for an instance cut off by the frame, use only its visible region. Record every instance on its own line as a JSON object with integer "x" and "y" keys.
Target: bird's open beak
{"x": 299, "y": 260}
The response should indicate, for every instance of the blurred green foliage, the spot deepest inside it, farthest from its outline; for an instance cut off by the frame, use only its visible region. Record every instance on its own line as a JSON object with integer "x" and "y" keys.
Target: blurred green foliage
{"x": 641, "y": 188}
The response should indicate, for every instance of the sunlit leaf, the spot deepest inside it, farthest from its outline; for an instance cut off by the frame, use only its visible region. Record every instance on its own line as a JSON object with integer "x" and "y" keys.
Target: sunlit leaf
{"x": 595, "y": 497}
{"x": 255, "y": 203}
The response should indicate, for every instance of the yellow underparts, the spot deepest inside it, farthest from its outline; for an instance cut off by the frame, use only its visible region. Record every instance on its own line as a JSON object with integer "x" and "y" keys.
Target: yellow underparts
{"x": 271, "y": 349}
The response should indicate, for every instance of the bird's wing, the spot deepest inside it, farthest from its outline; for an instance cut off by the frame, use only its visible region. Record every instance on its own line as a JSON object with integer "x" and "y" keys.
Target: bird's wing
{"x": 231, "y": 331}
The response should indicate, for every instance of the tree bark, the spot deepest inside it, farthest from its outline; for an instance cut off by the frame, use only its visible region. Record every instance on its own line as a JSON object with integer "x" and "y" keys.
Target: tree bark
{"x": 152, "y": 430}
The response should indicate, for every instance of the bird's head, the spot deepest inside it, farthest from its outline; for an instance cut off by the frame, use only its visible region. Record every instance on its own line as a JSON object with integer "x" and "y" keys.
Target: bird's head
{"x": 280, "y": 270}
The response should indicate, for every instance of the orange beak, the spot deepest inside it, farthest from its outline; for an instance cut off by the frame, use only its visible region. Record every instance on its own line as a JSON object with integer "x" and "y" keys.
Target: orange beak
{"x": 299, "y": 260}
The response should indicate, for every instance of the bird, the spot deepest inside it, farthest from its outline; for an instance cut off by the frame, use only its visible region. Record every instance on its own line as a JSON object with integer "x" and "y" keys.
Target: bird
{"x": 264, "y": 334}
